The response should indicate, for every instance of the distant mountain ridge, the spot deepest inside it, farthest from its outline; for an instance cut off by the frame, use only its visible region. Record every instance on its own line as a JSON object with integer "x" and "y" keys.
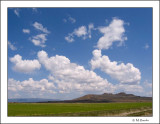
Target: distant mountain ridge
{"x": 109, "y": 97}
{"x": 90, "y": 98}
{"x": 22, "y": 100}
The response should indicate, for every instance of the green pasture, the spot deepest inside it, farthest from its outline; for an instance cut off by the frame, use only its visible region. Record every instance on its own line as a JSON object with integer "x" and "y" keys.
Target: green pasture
{"x": 74, "y": 109}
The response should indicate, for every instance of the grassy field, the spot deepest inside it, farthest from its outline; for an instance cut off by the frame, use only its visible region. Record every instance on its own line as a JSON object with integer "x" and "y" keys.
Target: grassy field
{"x": 80, "y": 109}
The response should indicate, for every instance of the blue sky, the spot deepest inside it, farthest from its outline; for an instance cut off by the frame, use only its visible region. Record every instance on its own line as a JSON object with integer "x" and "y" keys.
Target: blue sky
{"x": 64, "y": 53}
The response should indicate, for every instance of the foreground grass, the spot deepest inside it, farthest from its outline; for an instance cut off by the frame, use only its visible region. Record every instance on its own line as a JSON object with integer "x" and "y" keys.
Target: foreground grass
{"x": 77, "y": 109}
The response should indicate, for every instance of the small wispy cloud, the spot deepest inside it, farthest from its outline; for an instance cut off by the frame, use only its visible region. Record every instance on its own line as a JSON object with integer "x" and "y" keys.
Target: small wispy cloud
{"x": 69, "y": 38}
{"x": 39, "y": 40}
{"x": 40, "y": 27}
{"x": 69, "y": 19}
{"x": 90, "y": 27}
{"x": 26, "y": 31}
{"x": 16, "y": 11}
{"x": 147, "y": 84}
{"x": 82, "y": 31}
{"x": 64, "y": 20}
{"x": 11, "y": 46}
{"x": 146, "y": 46}
{"x": 34, "y": 9}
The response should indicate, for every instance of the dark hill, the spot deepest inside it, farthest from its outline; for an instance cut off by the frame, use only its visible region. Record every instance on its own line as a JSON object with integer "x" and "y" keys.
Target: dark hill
{"x": 109, "y": 97}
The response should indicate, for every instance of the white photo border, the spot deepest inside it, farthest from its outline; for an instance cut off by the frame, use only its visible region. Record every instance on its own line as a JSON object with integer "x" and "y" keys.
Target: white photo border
{"x": 6, "y": 4}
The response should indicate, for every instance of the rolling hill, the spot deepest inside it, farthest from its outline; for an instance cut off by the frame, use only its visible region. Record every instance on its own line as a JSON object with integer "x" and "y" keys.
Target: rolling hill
{"x": 109, "y": 97}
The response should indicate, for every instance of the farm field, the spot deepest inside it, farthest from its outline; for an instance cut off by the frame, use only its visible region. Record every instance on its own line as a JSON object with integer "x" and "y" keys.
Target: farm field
{"x": 80, "y": 109}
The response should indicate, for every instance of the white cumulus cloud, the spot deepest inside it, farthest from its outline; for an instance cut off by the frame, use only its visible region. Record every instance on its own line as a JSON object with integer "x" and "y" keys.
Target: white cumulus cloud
{"x": 40, "y": 27}
{"x": 26, "y": 31}
{"x": 81, "y": 31}
{"x": 67, "y": 77}
{"x": 30, "y": 87}
{"x": 124, "y": 73}
{"x": 70, "y": 76}
{"x": 25, "y": 66}
{"x": 112, "y": 33}
{"x": 11, "y": 46}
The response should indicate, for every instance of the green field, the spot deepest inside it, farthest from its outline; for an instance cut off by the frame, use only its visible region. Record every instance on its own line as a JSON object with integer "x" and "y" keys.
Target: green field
{"x": 80, "y": 109}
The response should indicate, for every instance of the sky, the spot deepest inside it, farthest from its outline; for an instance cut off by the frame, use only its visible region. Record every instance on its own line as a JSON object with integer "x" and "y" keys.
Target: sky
{"x": 65, "y": 53}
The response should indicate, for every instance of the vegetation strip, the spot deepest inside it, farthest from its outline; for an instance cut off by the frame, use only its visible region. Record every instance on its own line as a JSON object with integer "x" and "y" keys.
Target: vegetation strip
{"x": 74, "y": 109}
